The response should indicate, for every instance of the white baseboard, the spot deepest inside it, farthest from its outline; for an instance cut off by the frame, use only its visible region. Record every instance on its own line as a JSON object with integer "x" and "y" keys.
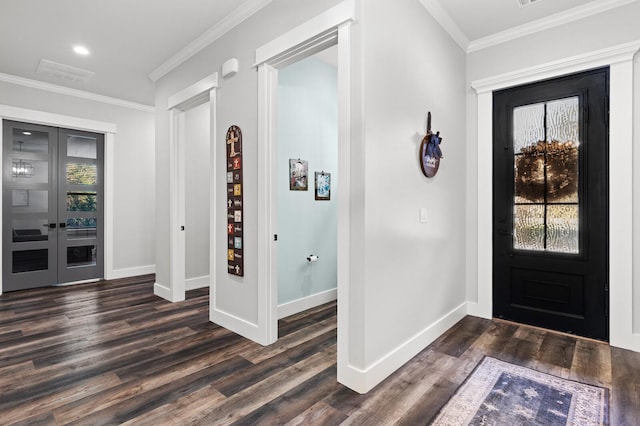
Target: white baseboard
{"x": 237, "y": 325}
{"x": 131, "y": 272}
{"x": 474, "y": 309}
{"x": 162, "y": 291}
{"x": 196, "y": 283}
{"x": 363, "y": 381}
{"x": 308, "y": 302}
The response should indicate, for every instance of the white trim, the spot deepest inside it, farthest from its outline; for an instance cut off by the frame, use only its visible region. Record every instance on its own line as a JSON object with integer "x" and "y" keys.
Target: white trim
{"x": 363, "y": 380}
{"x": 308, "y": 302}
{"x": 68, "y": 122}
{"x": 620, "y": 60}
{"x": 621, "y": 207}
{"x": 54, "y": 88}
{"x": 598, "y": 58}
{"x": 236, "y": 324}
{"x": 197, "y": 282}
{"x": 132, "y": 272}
{"x": 194, "y": 95}
{"x": 267, "y": 203}
{"x": 57, "y": 120}
{"x": 190, "y": 97}
{"x": 556, "y": 20}
{"x": 445, "y": 20}
{"x": 226, "y": 24}
{"x": 308, "y": 38}
{"x": 162, "y": 291}
{"x": 213, "y": 203}
{"x": 292, "y": 46}
{"x": 109, "y": 195}
{"x": 344, "y": 247}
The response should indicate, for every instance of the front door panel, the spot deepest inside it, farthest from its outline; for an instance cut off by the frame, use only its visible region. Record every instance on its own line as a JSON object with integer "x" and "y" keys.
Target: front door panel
{"x": 550, "y": 222}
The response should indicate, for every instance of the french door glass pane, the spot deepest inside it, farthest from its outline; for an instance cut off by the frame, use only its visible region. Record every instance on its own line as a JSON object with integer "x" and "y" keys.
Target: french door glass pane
{"x": 82, "y": 174}
{"x": 546, "y": 167}
{"x": 82, "y": 201}
{"x": 81, "y": 256}
{"x": 78, "y": 228}
{"x": 81, "y": 146}
{"x": 30, "y": 260}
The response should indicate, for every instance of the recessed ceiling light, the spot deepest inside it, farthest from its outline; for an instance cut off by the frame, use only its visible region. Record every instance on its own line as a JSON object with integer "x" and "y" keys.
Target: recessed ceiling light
{"x": 26, "y": 133}
{"x": 81, "y": 50}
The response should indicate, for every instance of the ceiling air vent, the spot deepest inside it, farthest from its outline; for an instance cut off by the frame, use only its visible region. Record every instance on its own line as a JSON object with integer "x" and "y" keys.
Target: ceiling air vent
{"x": 63, "y": 72}
{"x": 523, "y": 3}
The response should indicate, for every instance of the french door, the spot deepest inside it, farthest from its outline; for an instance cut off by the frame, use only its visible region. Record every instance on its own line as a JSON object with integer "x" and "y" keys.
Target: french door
{"x": 551, "y": 203}
{"x": 52, "y": 218}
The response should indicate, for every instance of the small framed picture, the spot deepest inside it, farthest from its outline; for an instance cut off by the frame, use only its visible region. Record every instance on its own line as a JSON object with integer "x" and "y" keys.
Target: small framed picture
{"x": 20, "y": 198}
{"x": 323, "y": 185}
{"x": 298, "y": 175}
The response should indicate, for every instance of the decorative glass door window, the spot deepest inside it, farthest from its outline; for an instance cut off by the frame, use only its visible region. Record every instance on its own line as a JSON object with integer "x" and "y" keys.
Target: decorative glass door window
{"x": 546, "y": 141}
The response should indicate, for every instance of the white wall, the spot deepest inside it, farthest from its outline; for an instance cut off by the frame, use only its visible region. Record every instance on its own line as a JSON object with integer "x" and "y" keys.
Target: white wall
{"x": 134, "y": 183}
{"x": 413, "y": 287}
{"x": 197, "y": 131}
{"x": 236, "y": 104}
{"x": 307, "y": 129}
{"x": 612, "y": 28}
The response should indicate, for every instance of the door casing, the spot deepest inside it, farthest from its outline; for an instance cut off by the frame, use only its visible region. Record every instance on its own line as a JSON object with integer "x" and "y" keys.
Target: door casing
{"x": 620, "y": 60}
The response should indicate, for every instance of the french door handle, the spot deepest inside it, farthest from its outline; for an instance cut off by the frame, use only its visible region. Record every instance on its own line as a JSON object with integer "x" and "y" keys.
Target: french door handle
{"x": 49, "y": 225}
{"x": 63, "y": 225}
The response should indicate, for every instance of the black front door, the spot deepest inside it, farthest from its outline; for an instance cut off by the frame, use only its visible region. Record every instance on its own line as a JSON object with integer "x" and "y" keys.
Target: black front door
{"x": 551, "y": 203}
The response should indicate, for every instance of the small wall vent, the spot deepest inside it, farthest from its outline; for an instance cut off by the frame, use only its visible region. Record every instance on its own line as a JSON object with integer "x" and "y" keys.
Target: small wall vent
{"x": 63, "y": 72}
{"x": 523, "y": 3}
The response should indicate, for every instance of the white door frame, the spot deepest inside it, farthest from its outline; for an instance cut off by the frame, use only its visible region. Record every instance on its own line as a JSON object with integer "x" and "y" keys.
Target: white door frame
{"x": 68, "y": 122}
{"x": 327, "y": 29}
{"x": 620, "y": 60}
{"x": 195, "y": 95}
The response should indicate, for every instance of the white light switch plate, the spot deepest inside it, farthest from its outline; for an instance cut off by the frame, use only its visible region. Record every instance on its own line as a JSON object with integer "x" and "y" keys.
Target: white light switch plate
{"x": 423, "y": 214}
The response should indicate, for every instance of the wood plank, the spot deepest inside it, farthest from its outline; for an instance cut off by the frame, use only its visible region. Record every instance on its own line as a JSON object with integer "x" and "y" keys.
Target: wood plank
{"x": 241, "y": 404}
{"x": 294, "y": 401}
{"x": 291, "y": 340}
{"x": 112, "y": 352}
{"x": 591, "y": 363}
{"x": 556, "y": 355}
{"x": 625, "y": 397}
{"x": 132, "y": 399}
{"x": 317, "y": 415}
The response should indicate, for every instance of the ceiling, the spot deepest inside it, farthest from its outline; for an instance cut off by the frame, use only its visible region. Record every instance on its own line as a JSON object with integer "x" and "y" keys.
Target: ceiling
{"x": 131, "y": 40}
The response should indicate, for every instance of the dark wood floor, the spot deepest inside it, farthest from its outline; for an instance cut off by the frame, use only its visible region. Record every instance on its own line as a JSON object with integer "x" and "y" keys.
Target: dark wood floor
{"x": 113, "y": 353}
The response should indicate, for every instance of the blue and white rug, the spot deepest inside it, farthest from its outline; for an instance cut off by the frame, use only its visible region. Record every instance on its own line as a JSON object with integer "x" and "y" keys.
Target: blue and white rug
{"x": 499, "y": 393}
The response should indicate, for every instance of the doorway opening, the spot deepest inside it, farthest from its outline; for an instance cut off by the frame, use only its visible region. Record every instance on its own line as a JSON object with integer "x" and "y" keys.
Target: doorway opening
{"x": 307, "y": 166}
{"x": 196, "y": 196}
{"x": 53, "y": 206}
{"x": 551, "y": 204}
{"x": 192, "y": 116}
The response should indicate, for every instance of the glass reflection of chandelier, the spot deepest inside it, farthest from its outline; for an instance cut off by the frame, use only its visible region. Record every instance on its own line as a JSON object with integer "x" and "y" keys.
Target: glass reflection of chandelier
{"x": 22, "y": 169}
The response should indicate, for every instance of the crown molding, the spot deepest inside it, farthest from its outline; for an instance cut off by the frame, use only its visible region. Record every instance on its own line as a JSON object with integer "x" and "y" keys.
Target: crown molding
{"x": 603, "y": 57}
{"x": 40, "y": 85}
{"x": 562, "y": 18}
{"x": 445, "y": 20}
{"x": 226, "y": 24}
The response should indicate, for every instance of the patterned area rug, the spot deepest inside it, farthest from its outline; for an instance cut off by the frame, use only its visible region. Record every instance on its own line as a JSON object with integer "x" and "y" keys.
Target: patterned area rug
{"x": 499, "y": 393}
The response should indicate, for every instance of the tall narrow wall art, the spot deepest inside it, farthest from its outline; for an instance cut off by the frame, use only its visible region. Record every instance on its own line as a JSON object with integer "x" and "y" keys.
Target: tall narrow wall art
{"x": 235, "y": 224}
